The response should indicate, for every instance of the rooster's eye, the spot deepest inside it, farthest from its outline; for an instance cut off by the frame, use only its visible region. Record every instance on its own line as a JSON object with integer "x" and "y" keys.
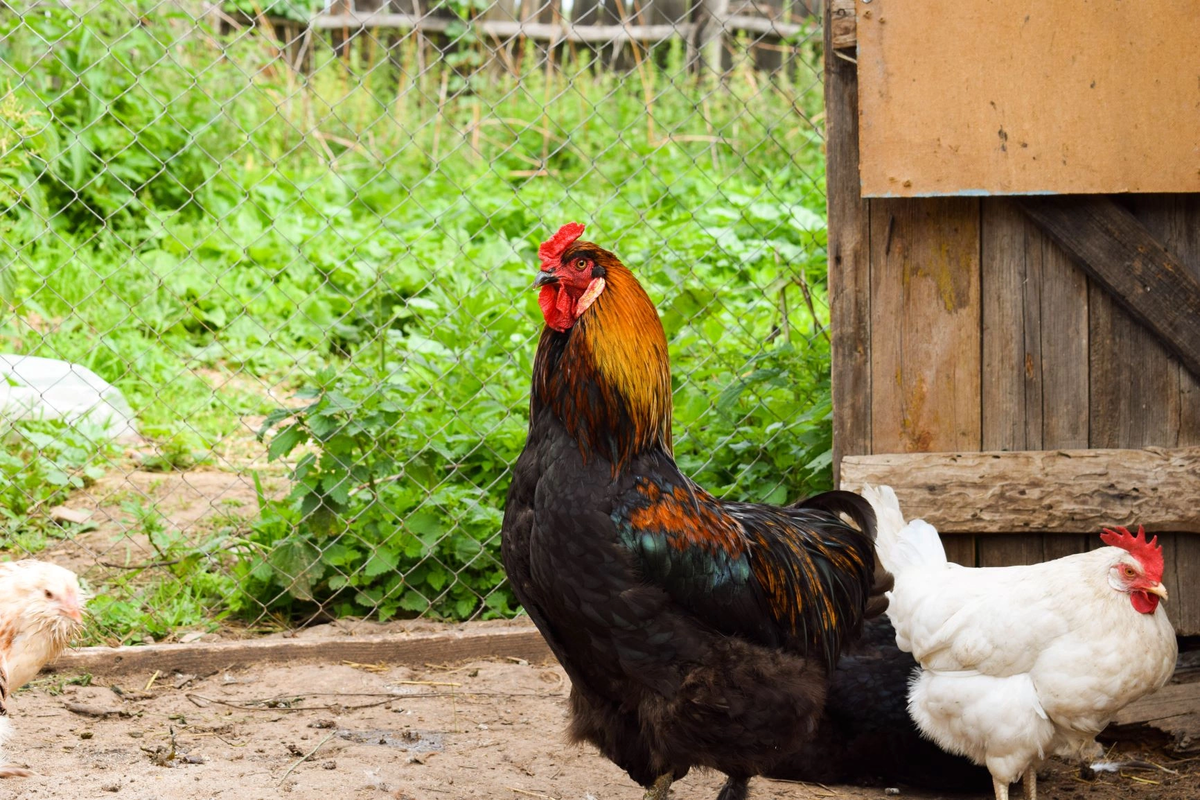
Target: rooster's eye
{"x": 581, "y": 263}
{"x": 1129, "y": 571}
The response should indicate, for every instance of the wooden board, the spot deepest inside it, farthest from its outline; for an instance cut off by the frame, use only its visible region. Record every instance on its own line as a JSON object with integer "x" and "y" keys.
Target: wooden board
{"x": 1035, "y": 368}
{"x": 1055, "y": 491}
{"x": 1174, "y": 221}
{"x": 849, "y": 268}
{"x": 1169, "y": 701}
{"x": 407, "y": 650}
{"x": 925, "y": 332}
{"x": 1012, "y": 409}
{"x": 1015, "y": 96}
{"x": 1125, "y": 260}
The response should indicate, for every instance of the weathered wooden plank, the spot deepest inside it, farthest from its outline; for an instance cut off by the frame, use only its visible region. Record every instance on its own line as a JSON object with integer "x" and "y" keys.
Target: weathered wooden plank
{"x": 565, "y": 32}
{"x": 1131, "y": 380}
{"x": 403, "y": 650}
{"x": 1012, "y": 403}
{"x": 1122, "y": 257}
{"x": 1169, "y": 701}
{"x": 1057, "y": 491}
{"x": 849, "y": 265}
{"x": 504, "y": 29}
{"x": 1174, "y": 220}
{"x": 925, "y": 331}
{"x": 1062, "y": 362}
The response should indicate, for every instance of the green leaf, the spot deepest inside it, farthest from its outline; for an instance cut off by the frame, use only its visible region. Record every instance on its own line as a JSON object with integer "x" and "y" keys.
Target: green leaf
{"x": 286, "y": 440}
{"x": 382, "y": 561}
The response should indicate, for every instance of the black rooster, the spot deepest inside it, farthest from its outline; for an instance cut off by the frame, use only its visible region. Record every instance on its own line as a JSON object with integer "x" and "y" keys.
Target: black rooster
{"x": 696, "y": 632}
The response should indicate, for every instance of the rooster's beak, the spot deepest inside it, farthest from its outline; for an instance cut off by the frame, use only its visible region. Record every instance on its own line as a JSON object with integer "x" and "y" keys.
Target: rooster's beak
{"x": 1158, "y": 589}
{"x": 544, "y": 279}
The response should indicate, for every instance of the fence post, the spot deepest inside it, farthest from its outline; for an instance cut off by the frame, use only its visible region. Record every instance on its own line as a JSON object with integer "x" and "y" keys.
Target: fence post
{"x": 711, "y": 36}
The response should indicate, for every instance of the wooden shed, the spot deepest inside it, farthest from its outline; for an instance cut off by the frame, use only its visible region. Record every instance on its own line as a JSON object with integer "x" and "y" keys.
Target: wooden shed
{"x": 1014, "y": 269}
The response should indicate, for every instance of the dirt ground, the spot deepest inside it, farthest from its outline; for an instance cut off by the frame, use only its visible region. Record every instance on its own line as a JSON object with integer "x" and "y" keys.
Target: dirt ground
{"x": 488, "y": 729}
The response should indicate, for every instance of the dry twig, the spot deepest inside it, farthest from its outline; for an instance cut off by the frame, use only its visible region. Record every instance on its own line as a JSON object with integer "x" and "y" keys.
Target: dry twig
{"x": 306, "y": 757}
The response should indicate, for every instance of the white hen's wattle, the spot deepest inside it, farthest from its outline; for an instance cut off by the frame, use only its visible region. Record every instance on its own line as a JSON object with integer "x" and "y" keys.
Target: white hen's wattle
{"x": 1017, "y": 663}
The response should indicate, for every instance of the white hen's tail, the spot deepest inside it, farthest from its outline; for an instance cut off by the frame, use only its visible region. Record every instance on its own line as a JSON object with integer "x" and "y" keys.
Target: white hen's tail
{"x": 901, "y": 546}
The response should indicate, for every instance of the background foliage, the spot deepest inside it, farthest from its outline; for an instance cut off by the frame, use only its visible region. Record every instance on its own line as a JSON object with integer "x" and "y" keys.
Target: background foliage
{"x": 337, "y": 259}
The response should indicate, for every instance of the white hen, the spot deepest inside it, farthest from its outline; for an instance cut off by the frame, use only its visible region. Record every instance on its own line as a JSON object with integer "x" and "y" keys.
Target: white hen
{"x": 1018, "y": 663}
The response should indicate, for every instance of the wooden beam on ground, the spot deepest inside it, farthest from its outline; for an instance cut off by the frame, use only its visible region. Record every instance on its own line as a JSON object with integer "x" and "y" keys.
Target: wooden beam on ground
{"x": 412, "y": 650}
{"x": 1051, "y": 491}
{"x": 1117, "y": 251}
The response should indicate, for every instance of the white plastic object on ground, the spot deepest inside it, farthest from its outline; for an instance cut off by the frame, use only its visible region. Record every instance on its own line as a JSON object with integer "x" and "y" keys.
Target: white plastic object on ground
{"x": 33, "y": 388}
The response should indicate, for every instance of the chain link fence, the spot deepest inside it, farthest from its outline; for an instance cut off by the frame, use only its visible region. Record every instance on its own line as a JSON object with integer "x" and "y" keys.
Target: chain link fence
{"x": 266, "y": 330}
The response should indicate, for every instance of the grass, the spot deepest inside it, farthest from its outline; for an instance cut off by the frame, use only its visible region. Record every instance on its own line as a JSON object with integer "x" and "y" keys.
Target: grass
{"x": 205, "y": 227}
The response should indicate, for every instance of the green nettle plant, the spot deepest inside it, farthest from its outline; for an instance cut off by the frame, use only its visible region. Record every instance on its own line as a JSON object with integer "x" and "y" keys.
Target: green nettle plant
{"x": 379, "y": 520}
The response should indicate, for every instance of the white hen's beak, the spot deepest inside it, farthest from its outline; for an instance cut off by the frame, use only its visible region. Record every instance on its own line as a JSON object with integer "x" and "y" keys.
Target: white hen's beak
{"x": 1157, "y": 589}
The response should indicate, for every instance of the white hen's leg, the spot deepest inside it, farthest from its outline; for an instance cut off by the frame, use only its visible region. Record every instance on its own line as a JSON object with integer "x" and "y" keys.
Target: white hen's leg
{"x": 1001, "y": 789}
{"x": 1030, "y": 783}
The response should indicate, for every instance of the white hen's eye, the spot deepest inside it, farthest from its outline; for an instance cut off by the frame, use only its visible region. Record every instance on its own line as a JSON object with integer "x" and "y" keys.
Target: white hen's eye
{"x": 49, "y": 594}
{"x": 1128, "y": 571}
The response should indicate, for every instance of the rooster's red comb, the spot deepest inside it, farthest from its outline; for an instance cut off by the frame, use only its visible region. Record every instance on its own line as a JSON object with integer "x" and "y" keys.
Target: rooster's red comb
{"x": 553, "y": 247}
{"x": 1149, "y": 553}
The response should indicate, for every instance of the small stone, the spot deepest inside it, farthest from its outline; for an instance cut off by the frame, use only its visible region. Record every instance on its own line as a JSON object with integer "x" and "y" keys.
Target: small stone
{"x": 111, "y": 787}
{"x": 328, "y": 765}
{"x": 86, "y": 735}
{"x": 891, "y": 791}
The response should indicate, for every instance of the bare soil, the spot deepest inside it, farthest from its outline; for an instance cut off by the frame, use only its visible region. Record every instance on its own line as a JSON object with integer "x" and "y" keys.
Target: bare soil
{"x": 488, "y": 729}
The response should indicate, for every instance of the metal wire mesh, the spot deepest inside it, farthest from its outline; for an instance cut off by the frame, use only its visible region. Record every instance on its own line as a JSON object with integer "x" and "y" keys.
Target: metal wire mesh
{"x": 284, "y": 253}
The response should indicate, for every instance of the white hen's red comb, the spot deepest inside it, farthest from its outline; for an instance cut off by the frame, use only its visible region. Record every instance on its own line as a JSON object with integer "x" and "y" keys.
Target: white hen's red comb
{"x": 1148, "y": 553}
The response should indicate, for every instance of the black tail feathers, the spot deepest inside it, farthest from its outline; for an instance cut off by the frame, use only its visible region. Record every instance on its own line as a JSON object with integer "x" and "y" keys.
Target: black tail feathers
{"x": 862, "y": 515}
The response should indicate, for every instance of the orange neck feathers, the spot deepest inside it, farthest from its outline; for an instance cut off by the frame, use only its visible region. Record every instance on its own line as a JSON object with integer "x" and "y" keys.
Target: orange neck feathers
{"x": 608, "y": 378}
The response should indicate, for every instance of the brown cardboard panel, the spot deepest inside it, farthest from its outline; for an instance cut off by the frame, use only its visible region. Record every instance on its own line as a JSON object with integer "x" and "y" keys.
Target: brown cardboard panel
{"x": 1025, "y": 97}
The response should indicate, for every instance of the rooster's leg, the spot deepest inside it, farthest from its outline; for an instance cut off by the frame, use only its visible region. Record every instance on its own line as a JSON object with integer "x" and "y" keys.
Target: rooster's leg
{"x": 1030, "y": 783}
{"x": 1001, "y": 789}
{"x": 660, "y": 789}
{"x": 736, "y": 788}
